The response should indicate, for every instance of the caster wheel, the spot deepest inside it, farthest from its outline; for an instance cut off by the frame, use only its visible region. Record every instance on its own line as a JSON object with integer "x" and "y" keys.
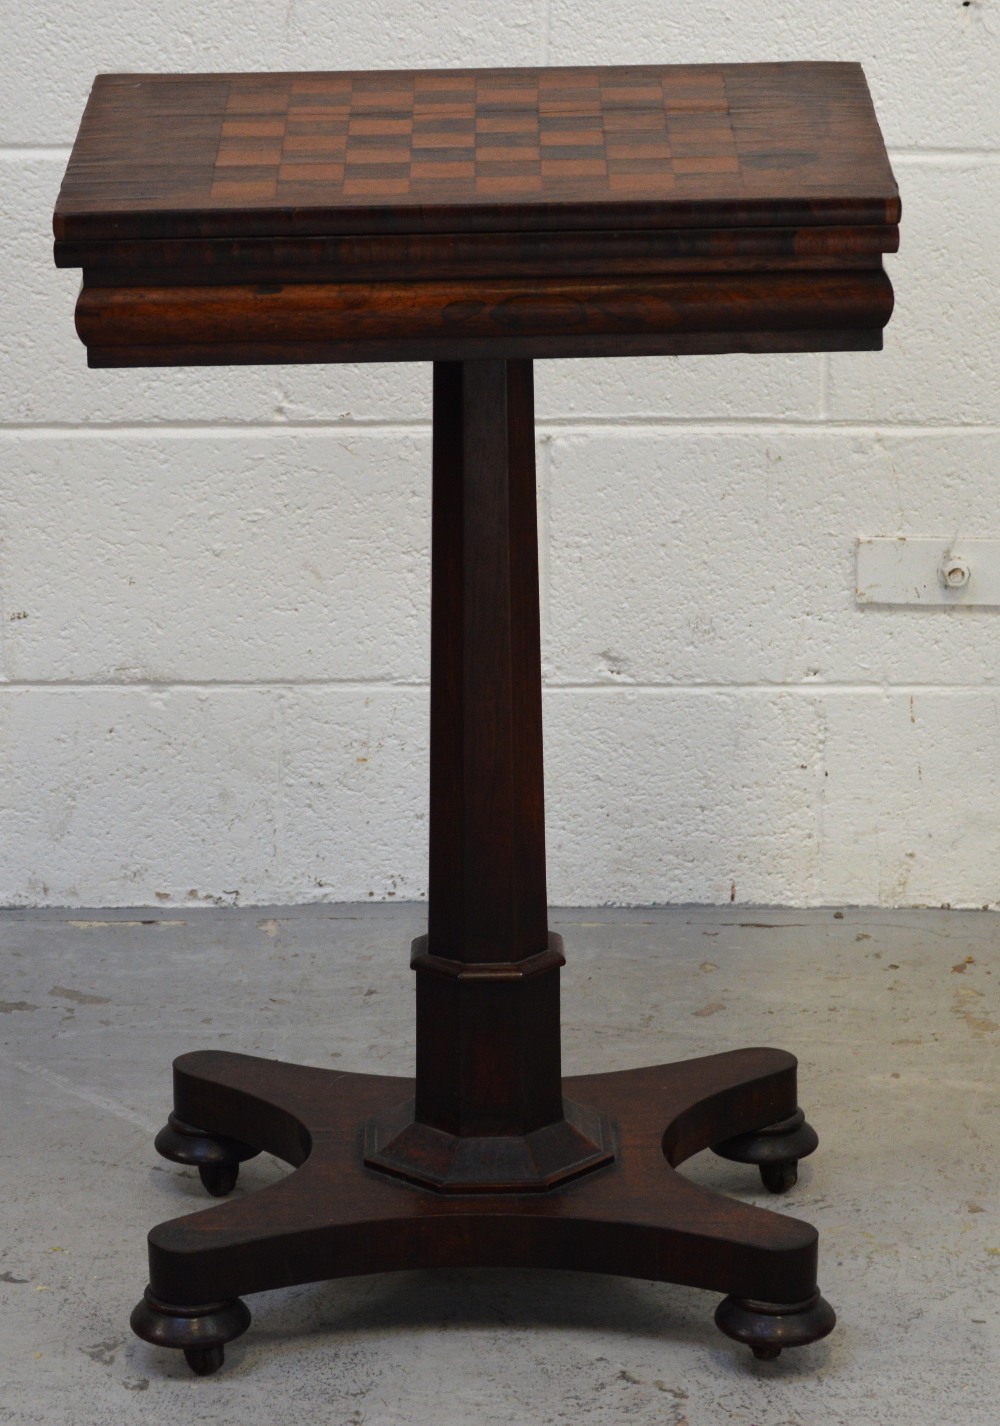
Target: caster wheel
{"x": 775, "y": 1149}
{"x": 776, "y": 1178}
{"x": 201, "y": 1330}
{"x": 765, "y": 1353}
{"x": 220, "y": 1179}
{"x": 216, "y": 1156}
{"x": 203, "y": 1361}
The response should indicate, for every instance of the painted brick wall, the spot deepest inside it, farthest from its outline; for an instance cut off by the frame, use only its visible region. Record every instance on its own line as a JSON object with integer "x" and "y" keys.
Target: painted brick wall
{"x": 213, "y": 584}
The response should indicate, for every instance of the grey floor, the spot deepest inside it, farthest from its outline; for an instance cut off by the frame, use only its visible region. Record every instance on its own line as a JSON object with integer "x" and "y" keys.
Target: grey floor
{"x": 894, "y": 1016}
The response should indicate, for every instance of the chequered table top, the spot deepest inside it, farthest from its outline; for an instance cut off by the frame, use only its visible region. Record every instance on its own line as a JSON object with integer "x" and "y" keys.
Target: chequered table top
{"x": 220, "y": 154}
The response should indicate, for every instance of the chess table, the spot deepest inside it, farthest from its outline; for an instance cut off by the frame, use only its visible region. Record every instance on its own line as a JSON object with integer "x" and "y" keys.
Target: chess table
{"x": 480, "y": 220}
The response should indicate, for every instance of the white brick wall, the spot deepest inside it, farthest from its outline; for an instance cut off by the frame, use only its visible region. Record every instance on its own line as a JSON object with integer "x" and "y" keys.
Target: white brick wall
{"x": 213, "y": 583}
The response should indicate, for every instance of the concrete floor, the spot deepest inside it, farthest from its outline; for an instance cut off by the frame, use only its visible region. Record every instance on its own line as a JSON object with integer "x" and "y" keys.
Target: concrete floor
{"x": 894, "y": 1016}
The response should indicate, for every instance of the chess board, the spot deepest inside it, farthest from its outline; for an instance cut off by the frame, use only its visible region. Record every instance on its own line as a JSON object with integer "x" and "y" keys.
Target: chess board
{"x": 394, "y": 151}
{"x": 464, "y": 136}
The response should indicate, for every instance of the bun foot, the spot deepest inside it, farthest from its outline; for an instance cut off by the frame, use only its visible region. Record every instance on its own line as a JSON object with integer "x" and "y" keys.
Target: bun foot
{"x": 775, "y": 1149}
{"x": 767, "y": 1327}
{"x": 201, "y": 1332}
{"x": 216, "y": 1157}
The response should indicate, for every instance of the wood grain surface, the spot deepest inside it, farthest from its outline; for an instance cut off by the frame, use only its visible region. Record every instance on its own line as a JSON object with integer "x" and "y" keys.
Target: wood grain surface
{"x": 496, "y": 215}
{"x": 640, "y": 146}
{"x": 466, "y": 214}
{"x": 496, "y": 317}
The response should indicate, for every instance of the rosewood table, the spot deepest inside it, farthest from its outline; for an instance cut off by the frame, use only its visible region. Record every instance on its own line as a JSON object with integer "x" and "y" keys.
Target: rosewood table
{"x": 479, "y": 220}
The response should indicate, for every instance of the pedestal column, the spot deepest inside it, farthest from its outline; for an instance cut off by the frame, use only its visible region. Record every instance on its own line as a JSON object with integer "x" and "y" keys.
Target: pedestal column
{"x": 488, "y": 1111}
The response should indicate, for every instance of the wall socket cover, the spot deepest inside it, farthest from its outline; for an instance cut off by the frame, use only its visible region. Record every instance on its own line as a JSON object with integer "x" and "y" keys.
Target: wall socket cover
{"x": 928, "y": 569}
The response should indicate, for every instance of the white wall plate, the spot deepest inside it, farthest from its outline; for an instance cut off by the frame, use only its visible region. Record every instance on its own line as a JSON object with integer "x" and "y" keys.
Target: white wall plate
{"x": 928, "y": 569}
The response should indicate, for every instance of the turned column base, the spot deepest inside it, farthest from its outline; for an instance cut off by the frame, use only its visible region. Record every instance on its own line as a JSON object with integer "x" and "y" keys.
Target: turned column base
{"x": 488, "y": 1113}
{"x": 398, "y": 1144}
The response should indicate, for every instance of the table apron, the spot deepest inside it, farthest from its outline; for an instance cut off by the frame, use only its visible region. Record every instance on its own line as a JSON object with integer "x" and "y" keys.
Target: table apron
{"x": 435, "y": 320}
